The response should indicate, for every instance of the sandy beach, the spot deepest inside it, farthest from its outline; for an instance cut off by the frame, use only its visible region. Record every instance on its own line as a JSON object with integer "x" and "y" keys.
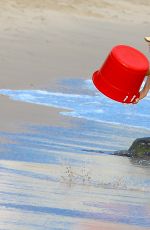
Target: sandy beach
{"x": 43, "y": 41}
{"x": 44, "y": 44}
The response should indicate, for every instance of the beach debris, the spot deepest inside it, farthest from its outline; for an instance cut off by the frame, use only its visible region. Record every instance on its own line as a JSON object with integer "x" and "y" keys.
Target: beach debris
{"x": 147, "y": 39}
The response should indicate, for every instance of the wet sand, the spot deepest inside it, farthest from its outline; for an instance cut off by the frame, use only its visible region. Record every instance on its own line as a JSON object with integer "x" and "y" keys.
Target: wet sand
{"x": 106, "y": 226}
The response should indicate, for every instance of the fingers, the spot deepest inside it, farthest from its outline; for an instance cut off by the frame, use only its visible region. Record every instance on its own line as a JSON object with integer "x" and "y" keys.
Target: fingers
{"x": 136, "y": 101}
{"x": 142, "y": 95}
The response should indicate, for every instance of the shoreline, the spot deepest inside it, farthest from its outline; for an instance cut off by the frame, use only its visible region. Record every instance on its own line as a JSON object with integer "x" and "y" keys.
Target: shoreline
{"x": 38, "y": 53}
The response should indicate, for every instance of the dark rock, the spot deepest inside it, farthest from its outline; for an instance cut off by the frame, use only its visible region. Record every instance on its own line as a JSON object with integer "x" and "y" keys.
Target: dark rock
{"x": 123, "y": 153}
{"x": 140, "y": 148}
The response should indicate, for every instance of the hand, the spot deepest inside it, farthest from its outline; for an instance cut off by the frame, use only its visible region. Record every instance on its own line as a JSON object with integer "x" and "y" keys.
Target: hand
{"x": 146, "y": 88}
{"x": 143, "y": 94}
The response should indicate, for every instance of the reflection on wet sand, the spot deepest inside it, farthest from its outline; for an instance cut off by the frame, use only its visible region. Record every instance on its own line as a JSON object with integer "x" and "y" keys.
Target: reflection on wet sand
{"x": 49, "y": 182}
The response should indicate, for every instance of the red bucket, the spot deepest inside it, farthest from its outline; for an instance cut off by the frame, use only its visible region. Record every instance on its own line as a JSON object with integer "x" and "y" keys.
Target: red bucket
{"x": 122, "y": 74}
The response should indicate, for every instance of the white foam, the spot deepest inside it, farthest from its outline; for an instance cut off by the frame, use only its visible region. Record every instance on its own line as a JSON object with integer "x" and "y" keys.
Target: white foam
{"x": 94, "y": 107}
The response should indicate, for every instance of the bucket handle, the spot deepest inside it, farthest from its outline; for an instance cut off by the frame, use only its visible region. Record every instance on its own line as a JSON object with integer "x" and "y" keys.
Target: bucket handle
{"x": 132, "y": 99}
{"x": 126, "y": 97}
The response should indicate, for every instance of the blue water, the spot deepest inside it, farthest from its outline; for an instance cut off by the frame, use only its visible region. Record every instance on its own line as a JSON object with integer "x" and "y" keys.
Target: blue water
{"x": 90, "y": 106}
{"x": 57, "y": 177}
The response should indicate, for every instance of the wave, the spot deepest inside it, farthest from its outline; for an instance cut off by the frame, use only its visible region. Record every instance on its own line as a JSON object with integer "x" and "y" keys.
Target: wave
{"x": 91, "y": 106}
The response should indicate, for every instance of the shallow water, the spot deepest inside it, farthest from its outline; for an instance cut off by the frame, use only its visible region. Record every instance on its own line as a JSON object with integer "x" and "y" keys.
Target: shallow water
{"x": 90, "y": 106}
{"x": 63, "y": 177}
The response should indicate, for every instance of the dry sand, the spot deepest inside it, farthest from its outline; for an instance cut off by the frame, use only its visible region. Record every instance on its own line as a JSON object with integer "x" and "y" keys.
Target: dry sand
{"x": 136, "y": 11}
{"x": 42, "y": 42}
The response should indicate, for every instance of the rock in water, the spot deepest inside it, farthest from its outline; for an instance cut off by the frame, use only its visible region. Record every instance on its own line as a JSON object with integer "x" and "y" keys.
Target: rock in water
{"x": 140, "y": 148}
{"x": 122, "y": 153}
